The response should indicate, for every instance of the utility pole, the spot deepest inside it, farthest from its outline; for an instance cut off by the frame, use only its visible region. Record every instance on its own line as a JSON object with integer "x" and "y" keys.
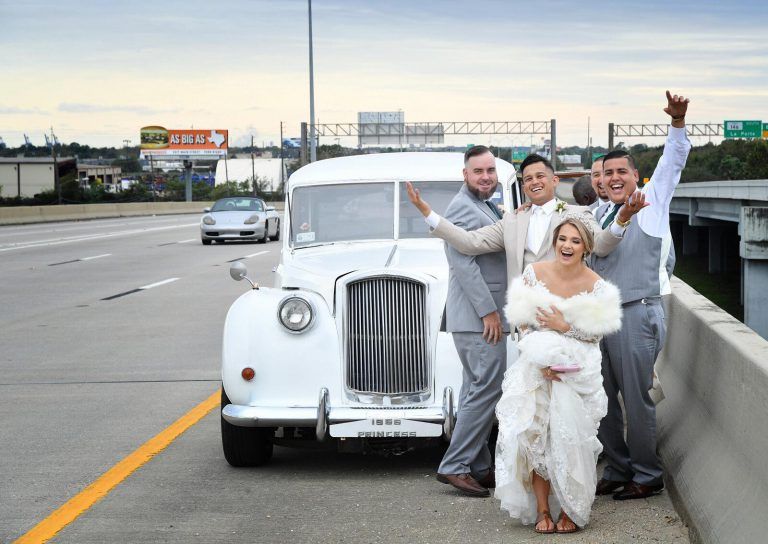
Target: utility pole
{"x": 152, "y": 174}
{"x": 553, "y": 143}
{"x": 589, "y": 146}
{"x": 312, "y": 142}
{"x": 56, "y": 180}
{"x": 282, "y": 162}
{"x": 253, "y": 167}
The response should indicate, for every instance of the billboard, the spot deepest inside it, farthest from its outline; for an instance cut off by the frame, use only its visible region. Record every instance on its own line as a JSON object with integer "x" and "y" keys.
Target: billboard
{"x": 162, "y": 143}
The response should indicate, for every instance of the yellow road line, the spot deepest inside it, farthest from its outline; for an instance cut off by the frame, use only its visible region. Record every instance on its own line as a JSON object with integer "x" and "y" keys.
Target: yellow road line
{"x": 80, "y": 503}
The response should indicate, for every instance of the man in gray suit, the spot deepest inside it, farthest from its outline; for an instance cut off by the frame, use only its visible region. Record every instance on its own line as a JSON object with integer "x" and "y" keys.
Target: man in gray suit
{"x": 476, "y": 290}
{"x": 639, "y": 268}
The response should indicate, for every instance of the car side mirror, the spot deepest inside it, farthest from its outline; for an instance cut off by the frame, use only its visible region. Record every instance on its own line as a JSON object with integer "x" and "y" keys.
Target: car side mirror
{"x": 238, "y": 272}
{"x": 270, "y": 208}
{"x": 206, "y": 210}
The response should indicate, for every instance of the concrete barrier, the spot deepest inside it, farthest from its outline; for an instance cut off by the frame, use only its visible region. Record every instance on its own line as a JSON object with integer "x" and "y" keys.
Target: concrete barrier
{"x": 713, "y": 424}
{"x": 16, "y": 215}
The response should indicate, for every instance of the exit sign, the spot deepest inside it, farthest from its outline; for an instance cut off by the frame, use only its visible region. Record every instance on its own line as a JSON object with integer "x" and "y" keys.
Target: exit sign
{"x": 743, "y": 129}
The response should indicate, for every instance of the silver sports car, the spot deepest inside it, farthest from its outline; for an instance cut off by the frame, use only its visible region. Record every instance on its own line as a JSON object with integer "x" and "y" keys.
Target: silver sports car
{"x": 239, "y": 218}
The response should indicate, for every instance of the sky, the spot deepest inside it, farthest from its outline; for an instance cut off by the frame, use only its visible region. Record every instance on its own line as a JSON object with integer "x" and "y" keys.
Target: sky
{"x": 97, "y": 71}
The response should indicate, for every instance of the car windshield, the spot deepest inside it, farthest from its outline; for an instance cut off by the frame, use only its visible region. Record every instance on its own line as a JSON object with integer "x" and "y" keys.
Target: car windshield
{"x": 238, "y": 205}
{"x": 364, "y": 211}
{"x": 352, "y": 211}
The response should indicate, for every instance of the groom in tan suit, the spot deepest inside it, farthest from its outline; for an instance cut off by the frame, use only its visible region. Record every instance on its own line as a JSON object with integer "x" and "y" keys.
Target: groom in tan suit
{"x": 526, "y": 236}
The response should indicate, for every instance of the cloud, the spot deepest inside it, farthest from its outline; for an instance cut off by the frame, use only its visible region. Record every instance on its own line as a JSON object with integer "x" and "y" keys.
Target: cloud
{"x": 76, "y": 107}
{"x": 13, "y": 110}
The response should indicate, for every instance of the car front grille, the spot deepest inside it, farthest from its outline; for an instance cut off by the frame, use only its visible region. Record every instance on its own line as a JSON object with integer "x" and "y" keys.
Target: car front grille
{"x": 386, "y": 328}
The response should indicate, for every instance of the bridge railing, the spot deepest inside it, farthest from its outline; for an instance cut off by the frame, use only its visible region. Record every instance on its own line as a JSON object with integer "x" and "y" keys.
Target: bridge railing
{"x": 713, "y": 423}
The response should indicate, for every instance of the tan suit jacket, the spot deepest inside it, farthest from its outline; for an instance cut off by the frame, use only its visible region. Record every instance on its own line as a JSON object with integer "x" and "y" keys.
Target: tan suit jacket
{"x": 510, "y": 234}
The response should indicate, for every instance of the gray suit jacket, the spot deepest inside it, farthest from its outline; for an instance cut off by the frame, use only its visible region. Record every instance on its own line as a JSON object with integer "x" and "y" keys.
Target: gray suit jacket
{"x": 476, "y": 285}
{"x": 509, "y": 235}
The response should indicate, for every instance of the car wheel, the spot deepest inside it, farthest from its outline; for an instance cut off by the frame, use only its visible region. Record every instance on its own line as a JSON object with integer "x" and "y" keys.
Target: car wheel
{"x": 263, "y": 239}
{"x": 206, "y": 242}
{"x": 245, "y": 446}
{"x": 276, "y": 237}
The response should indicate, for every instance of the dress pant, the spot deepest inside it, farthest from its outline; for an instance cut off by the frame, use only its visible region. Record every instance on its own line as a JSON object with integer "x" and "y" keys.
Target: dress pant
{"x": 628, "y": 359}
{"x": 484, "y": 366}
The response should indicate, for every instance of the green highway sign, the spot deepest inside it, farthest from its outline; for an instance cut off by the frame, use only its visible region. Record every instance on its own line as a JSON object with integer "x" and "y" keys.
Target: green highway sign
{"x": 519, "y": 156}
{"x": 743, "y": 129}
{"x": 596, "y": 156}
{"x": 765, "y": 131}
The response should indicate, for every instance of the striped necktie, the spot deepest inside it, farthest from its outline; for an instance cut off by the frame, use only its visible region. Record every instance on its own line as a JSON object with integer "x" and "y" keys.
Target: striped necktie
{"x": 609, "y": 217}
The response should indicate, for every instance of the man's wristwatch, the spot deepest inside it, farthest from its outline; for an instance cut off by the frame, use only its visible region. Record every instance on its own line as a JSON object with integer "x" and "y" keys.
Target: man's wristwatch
{"x": 621, "y": 223}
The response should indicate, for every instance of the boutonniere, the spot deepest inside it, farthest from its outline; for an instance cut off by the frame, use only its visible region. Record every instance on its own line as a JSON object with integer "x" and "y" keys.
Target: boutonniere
{"x": 561, "y": 206}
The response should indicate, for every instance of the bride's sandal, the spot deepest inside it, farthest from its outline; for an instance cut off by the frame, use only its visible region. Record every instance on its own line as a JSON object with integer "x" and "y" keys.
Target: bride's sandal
{"x": 563, "y": 517}
{"x": 543, "y": 516}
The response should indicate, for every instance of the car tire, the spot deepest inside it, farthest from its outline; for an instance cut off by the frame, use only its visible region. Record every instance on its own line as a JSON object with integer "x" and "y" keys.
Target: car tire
{"x": 206, "y": 242}
{"x": 276, "y": 237}
{"x": 245, "y": 446}
{"x": 263, "y": 239}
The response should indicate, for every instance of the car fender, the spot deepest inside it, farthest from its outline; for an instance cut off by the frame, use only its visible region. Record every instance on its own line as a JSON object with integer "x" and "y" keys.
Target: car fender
{"x": 254, "y": 337}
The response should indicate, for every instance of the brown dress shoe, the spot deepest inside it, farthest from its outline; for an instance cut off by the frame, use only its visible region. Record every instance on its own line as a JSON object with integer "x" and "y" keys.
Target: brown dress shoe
{"x": 489, "y": 480}
{"x": 606, "y": 487}
{"x": 634, "y": 490}
{"x": 464, "y": 483}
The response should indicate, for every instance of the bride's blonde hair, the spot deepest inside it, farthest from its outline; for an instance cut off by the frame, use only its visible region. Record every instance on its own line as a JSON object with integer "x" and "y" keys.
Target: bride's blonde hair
{"x": 584, "y": 231}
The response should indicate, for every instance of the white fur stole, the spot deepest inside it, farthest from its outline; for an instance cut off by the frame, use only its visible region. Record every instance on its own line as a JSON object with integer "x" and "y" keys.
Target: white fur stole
{"x": 596, "y": 313}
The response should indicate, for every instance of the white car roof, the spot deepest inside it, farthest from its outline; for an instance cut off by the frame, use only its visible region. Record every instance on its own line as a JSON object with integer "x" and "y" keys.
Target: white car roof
{"x": 413, "y": 166}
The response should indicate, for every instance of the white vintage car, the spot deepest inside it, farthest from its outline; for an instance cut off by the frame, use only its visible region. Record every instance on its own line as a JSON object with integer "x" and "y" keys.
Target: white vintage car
{"x": 347, "y": 346}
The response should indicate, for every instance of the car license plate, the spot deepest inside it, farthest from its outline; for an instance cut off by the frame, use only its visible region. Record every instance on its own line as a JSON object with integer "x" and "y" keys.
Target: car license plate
{"x": 385, "y": 427}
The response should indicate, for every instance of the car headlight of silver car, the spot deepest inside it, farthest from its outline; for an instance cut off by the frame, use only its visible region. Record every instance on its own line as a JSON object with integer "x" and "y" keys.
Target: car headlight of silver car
{"x": 296, "y": 314}
{"x": 209, "y": 220}
{"x": 252, "y": 219}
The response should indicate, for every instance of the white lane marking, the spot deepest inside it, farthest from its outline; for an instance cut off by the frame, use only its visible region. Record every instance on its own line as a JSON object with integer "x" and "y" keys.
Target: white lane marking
{"x": 56, "y": 242}
{"x": 187, "y": 241}
{"x": 256, "y": 254}
{"x": 63, "y": 226}
{"x": 151, "y": 285}
{"x": 95, "y": 257}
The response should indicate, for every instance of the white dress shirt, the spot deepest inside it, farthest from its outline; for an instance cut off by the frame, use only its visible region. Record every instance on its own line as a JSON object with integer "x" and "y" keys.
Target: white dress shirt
{"x": 538, "y": 226}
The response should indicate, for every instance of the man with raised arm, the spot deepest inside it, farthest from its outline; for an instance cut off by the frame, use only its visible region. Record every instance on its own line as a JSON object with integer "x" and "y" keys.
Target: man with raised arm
{"x": 638, "y": 268}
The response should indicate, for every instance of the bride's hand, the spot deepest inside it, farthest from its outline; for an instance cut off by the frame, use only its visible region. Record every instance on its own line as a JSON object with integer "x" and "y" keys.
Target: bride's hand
{"x": 554, "y": 321}
{"x": 550, "y": 374}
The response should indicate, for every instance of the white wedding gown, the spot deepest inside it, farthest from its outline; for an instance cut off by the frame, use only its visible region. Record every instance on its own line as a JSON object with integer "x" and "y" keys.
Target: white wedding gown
{"x": 546, "y": 426}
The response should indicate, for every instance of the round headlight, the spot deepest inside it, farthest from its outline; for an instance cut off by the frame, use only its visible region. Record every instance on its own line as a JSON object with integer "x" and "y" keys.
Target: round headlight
{"x": 295, "y": 314}
{"x": 252, "y": 219}
{"x": 209, "y": 220}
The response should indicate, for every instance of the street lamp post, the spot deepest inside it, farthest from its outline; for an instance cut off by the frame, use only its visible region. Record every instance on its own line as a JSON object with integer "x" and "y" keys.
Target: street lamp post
{"x": 312, "y": 142}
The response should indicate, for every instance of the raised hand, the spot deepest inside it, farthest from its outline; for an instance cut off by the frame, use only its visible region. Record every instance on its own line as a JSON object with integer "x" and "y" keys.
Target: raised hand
{"x": 415, "y": 198}
{"x": 677, "y": 106}
{"x": 632, "y": 204}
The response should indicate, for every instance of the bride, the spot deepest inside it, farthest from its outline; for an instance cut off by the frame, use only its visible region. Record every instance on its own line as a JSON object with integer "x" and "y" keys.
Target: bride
{"x": 553, "y": 398}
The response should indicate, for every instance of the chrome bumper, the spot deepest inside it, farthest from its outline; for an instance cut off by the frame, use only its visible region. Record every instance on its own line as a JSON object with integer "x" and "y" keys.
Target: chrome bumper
{"x": 323, "y": 415}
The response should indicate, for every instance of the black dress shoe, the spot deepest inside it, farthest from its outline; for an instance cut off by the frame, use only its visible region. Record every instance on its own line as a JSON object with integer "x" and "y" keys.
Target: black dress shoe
{"x": 635, "y": 490}
{"x": 606, "y": 487}
{"x": 464, "y": 483}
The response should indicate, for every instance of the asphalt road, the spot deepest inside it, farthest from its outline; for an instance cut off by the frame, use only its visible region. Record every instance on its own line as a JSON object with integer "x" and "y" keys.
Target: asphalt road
{"x": 111, "y": 331}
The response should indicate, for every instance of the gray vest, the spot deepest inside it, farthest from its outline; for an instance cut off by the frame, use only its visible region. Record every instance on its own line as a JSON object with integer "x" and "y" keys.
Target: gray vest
{"x": 633, "y": 266}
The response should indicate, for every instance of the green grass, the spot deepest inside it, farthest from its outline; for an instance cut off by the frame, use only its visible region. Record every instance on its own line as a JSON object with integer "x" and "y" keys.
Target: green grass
{"x": 722, "y": 289}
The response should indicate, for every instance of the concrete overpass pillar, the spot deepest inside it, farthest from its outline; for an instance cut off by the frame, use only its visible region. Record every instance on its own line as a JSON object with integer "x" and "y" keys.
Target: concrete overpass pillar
{"x": 715, "y": 253}
{"x": 690, "y": 240}
{"x": 754, "y": 253}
